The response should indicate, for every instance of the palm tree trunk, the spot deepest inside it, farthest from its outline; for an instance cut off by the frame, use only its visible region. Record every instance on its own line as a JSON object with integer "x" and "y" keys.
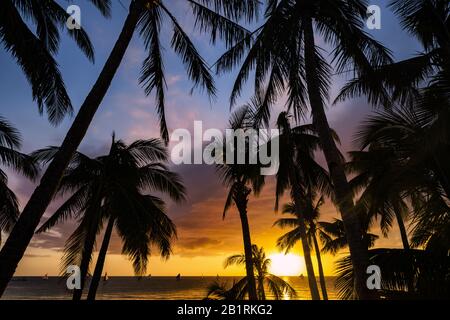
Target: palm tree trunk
{"x": 248, "y": 256}
{"x": 319, "y": 262}
{"x": 23, "y": 231}
{"x": 262, "y": 292}
{"x": 89, "y": 243}
{"x": 101, "y": 260}
{"x": 85, "y": 261}
{"x": 241, "y": 201}
{"x": 403, "y": 233}
{"x": 305, "y": 245}
{"x": 358, "y": 248}
{"x": 406, "y": 247}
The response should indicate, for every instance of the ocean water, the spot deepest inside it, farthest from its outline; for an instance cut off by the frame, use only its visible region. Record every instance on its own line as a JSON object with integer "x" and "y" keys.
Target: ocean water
{"x": 133, "y": 288}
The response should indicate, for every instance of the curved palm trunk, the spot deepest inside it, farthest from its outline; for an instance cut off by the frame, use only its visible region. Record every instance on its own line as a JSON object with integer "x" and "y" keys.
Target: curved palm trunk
{"x": 403, "y": 233}
{"x": 85, "y": 261}
{"x": 306, "y": 251}
{"x": 319, "y": 262}
{"x": 358, "y": 247}
{"x": 89, "y": 243}
{"x": 241, "y": 200}
{"x": 100, "y": 260}
{"x": 23, "y": 231}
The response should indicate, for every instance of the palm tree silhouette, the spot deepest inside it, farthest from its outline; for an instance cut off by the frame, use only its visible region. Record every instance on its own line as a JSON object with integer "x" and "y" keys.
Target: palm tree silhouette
{"x": 286, "y": 59}
{"x": 277, "y": 286}
{"x": 10, "y": 142}
{"x": 154, "y": 228}
{"x": 310, "y": 212}
{"x": 147, "y": 17}
{"x": 401, "y": 82}
{"x": 413, "y": 129}
{"x": 299, "y": 172}
{"x": 412, "y": 135}
{"x": 413, "y": 145}
{"x": 33, "y": 50}
{"x": 110, "y": 189}
{"x": 241, "y": 180}
{"x": 377, "y": 177}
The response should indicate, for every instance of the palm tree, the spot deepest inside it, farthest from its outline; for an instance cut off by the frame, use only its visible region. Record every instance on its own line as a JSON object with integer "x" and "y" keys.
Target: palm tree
{"x": 34, "y": 49}
{"x": 407, "y": 161}
{"x": 413, "y": 130}
{"x": 284, "y": 55}
{"x": 401, "y": 82}
{"x": 241, "y": 180}
{"x": 414, "y": 146}
{"x": 377, "y": 177}
{"x": 310, "y": 212}
{"x": 417, "y": 87}
{"x": 277, "y": 286}
{"x": 10, "y": 142}
{"x": 110, "y": 189}
{"x": 146, "y": 17}
{"x": 33, "y": 52}
{"x": 411, "y": 135}
{"x": 299, "y": 172}
{"x": 153, "y": 226}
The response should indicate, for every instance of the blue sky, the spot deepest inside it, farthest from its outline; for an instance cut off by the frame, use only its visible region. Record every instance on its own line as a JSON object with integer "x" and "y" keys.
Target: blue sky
{"x": 128, "y": 112}
{"x": 125, "y": 107}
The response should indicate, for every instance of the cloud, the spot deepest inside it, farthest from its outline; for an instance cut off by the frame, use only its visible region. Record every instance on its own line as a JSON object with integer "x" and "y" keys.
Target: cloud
{"x": 173, "y": 79}
{"x": 126, "y": 110}
{"x": 198, "y": 243}
{"x": 30, "y": 255}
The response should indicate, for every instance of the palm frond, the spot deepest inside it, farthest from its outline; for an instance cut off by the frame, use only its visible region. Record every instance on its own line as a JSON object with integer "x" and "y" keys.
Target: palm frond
{"x": 9, "y": 208}
{"x": 70, "y": 209}
{"x": 38, "y": 65}
{"x": 152, "y": 73}
{"x": 237, "y": 259}
{"x": 280, "y": 288}
{"x": 197, "y": 68}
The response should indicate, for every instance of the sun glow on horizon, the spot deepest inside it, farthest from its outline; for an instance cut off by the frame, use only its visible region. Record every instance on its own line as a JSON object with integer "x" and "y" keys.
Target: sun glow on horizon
{"x": 286, "y": 265}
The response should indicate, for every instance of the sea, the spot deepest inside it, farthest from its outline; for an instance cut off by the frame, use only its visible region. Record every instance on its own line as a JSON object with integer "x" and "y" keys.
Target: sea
{"x": 145, "y": 288}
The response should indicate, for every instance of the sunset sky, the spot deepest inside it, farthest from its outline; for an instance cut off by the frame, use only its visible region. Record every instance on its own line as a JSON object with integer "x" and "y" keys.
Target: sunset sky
{"x": 204, "y": 239}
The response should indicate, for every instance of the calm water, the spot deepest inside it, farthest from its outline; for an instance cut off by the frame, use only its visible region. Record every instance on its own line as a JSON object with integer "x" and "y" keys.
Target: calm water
{"x": 131, "y": 288}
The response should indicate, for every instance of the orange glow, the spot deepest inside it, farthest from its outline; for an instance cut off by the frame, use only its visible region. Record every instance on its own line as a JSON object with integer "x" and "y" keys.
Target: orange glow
{"x": 286, "y": 265}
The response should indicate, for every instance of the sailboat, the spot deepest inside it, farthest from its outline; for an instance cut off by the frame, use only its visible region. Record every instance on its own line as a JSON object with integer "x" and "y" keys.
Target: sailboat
{"x": 178, "y": 277}
{"x": 45, "y": 277}
{"x": 106, "y": 278}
